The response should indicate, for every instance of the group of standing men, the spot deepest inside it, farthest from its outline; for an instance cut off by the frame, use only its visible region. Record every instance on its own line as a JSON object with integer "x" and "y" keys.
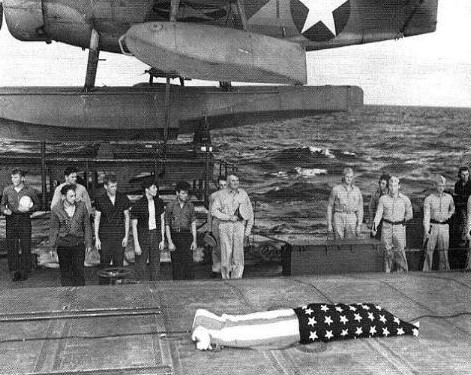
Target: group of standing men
{"x": 390, "y": 210}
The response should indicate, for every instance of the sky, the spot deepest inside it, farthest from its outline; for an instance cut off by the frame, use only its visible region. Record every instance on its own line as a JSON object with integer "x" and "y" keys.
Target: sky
{"x": 426, "y": 70}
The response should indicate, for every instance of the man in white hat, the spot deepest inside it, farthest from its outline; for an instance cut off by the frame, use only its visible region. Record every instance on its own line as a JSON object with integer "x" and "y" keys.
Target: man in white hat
{"x": 18, "y": 202}
{"x": 233, "y": 208}
{"x": 438, "y": 209}
{"x": 395, "y": 209}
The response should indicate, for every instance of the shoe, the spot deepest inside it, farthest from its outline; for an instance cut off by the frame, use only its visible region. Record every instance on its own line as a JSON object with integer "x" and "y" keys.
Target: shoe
{"x": 214, "y": 275}
{"x": 16, "y": 276}
{"x": 23, "y": 276}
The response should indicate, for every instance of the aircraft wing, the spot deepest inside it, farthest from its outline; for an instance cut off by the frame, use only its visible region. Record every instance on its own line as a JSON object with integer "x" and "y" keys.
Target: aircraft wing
{"x": 360, "y": 21}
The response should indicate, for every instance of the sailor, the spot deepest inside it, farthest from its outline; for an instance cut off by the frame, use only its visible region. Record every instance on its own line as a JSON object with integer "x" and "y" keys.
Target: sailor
{"x": 395, "y": 209}
{"x": 438, "y": 209}
{"x": 180, "y": 225}
{"x": 70, "y": 175}
{"x": 373, "y": 205}
{"x": 461, "y": 195}
{"x": 213, "y": 226}
{"x": 18, "y": 202}
{"x": 233, "y": 208}
{"x": 345, "y": 208}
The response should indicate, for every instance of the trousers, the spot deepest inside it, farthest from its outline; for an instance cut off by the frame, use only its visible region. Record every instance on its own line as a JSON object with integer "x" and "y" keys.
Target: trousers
{"x": 71, "y": 260}
{"x": 344, "y": 225}
{"x": 182, "y": 257}
{"x": 216, "y": 251}
{"x": 150, "y": 251}
{"x": 112, "y": 251}
{"x": 18, "y": 236}
{"x": 394, "y": 239}
{"x": 440, "y": 239}
{"x": 231, "y": 235}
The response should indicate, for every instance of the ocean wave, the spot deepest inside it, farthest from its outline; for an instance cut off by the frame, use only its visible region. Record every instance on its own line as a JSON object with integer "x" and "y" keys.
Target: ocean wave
{"x": 309, "y": 172}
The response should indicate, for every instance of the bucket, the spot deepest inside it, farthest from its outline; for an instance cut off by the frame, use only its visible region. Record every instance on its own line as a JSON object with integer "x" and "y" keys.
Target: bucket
{"x": 112, "y": 276}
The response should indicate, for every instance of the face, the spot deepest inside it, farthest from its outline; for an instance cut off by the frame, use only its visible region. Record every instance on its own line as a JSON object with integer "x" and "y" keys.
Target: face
{"x": 17, "y": 179}
{"x": 383, "y": 185}
{"x": 182, "y": 195}
{"x": 233, "y": 182}
{"x": 464, "y": 176}
{"x": 152, "y": 190}
{"x": 222, "y": 184}
{"x": 393, "y": 187}
{"x": 70, "y": 197}
{"x": 71, "y": 178}
{"x": 348, "y": 178}
{"x": 111, "y": 188}
{"x": 440, "y": 187}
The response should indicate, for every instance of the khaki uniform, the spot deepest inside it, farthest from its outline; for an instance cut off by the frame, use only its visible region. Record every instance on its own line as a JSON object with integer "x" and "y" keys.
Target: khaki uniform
{"x": 437, "y": 210}
{"x": 231, "y": 234}
{"x": 347, "y": 207}
{"x": 213, "y": 226}
{"x": 394, "y": 211}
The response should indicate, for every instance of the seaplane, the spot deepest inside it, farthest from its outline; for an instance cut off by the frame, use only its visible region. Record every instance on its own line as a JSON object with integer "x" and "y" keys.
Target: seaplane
{"x": 260, "y": 42}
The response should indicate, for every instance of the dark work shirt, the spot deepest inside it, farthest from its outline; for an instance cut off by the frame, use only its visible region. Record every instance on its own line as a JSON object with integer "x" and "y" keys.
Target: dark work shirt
{"x": 179, "y": 218}
{"x": 70, "y": 231}
{"x": 462, "y": 193}
{"x": 11, "y": 199}
{"x": 112, "y": 216}
{"x": 140, "y": 212}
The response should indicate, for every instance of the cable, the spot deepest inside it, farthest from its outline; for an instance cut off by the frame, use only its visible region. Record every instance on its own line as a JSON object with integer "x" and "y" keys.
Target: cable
{"x": 457, "y": 315}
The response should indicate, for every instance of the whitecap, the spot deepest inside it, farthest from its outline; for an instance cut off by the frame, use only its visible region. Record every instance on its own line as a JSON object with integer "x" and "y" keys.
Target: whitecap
{"x": 321, "y": 151}
{"x": 309, "y": 172}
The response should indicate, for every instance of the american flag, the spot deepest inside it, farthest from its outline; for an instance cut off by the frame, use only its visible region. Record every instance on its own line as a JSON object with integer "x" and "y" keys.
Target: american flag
{"x": 322, "y": 322}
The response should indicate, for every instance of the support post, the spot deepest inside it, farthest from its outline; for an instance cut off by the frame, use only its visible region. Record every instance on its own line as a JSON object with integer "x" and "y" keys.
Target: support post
{"x": 43, "y": 176}
{"x": 92, "y": 65}
{"x": 174, "y": 5}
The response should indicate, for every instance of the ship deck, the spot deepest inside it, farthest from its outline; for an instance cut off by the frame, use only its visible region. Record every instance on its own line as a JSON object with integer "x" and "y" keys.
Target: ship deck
{"x": 144, "y": 328}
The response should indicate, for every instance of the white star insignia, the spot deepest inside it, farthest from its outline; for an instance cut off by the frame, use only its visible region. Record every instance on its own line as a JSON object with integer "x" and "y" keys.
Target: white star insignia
{"x": 358, "y": 317}
{"x": 304, "y": 307}
{"x": 328, "y": 320}
{"x": 324, "y": 308}
{"x": 383, "y": 319}
{"x": 359, "y": 331}
{"x": 352, "y": 308}
{"x": 415, "y": 332}
{"x": 400, "y": 331}
{"x": 312, "y": 321}
{"x": 344, "y": 332}
{"x": 309, "y": 311}
{"x": 321, "y": 10}
{"x": 313, "y": 336}
{"x": 366, "y": 307}
{"x": 371, "y": 316}
{"x": 372, "y": 330}
{"x": 339, "y": 309}
{"x": 343, "y": 319}
{"x": 378, "y": 307}
{"x": 385, "y": 332}
{"x": 329, "y": 335}
{"x": 396, "y": 320}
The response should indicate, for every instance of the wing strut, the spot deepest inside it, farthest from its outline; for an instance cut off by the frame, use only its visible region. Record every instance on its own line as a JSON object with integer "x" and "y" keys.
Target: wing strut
{"x": 92, "y": 65}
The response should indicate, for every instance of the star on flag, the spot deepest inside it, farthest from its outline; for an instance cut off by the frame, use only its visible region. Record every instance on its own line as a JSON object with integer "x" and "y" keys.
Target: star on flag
{"x": 342, "y": 321}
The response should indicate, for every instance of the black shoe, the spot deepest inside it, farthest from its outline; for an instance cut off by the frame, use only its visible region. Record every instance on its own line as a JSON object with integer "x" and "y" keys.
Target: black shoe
{"x": 16, "y": 276}
{"x": 214, "y": 275}
{"x": 24, "y": 276}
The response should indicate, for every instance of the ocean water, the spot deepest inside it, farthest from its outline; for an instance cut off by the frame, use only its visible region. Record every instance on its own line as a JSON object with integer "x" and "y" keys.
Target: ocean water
{"x": 289, "y": 167}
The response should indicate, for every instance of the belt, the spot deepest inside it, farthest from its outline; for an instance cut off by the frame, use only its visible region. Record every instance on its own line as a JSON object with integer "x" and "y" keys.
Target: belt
{"x": 432, "y": 221}
{"x": 180, "y": 230}
{"x": 340, "y": 211}
{"x": 402, "y": 222}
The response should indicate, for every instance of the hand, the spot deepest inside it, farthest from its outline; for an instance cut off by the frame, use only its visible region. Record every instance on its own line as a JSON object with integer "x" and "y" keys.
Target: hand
{"x": 358, "y": 230}
{"x": 88, "y": 249}
{"x": 23, "y": 209}
{"x": 161, "y": 245}
{"x": 7, "y": 212}
{"x": 373, "y": 232}
{"x": 124, "y": 243}
{"x": 234, "y": 218}
{"x": 97, "y": 243}
{"x": 137, "y": 249}
{"x": 330, "y": 229}
{"x": 193, "y": 246}
{"x": 171, "y": 246}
